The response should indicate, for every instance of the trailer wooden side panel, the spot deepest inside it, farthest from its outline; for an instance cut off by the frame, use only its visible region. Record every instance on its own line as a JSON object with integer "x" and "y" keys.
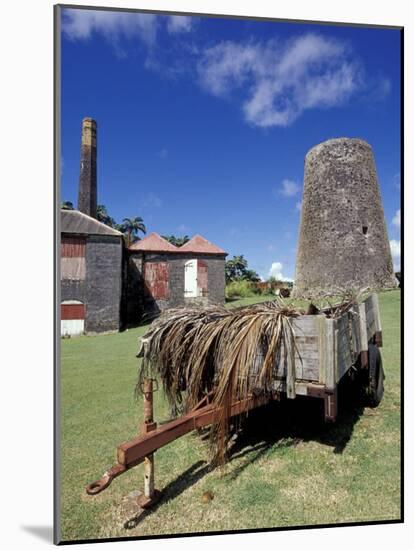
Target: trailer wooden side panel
{"x": 306, "y": 350}
{"x": 307, "y": 347}
{"x": 345, "y": 345}
{"x": 356, "y": 331}
{"x": 372, "y": 315}
{"x": 325, "y": 349}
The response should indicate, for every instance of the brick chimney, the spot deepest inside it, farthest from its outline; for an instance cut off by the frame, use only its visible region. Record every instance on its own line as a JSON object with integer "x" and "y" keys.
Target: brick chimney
{"x": 87, "y": 198}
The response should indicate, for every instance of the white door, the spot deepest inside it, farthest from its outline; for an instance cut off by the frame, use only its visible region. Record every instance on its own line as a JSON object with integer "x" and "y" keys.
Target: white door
{"x": 190, "y": 279}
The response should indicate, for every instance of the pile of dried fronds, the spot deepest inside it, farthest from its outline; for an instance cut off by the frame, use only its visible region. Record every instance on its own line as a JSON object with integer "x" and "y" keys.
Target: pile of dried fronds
{"x": 234, "y": 351}
{"x": 335, "y": 305}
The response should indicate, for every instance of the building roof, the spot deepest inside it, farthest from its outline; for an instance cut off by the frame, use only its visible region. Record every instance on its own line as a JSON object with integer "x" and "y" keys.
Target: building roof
{"x": 156, "y": 243}
{"x": 200, "y": 245}
{"x": 153, "y": 243}
{"x": 74, "y": 221}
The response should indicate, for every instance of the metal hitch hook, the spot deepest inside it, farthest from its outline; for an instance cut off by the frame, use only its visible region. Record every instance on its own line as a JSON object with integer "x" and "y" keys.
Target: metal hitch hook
{"x": 99, "y": 485}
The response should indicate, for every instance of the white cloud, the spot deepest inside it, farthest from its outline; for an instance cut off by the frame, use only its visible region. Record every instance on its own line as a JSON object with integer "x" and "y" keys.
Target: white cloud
{"x": 396, "y": 253}
{"x": 397, "y": 219}
{"x": 80, "y": 24}
{"x": 276, "y": 271}
{"x": 289, "y": 188}
{"x": 281, "y": 80}
{"x": 179, "y": 24}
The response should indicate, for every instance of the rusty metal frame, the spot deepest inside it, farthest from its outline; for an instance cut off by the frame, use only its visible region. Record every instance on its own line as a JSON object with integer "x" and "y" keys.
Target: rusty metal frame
{"x": 330, "y": 397}
{"x": 134, "y": 452}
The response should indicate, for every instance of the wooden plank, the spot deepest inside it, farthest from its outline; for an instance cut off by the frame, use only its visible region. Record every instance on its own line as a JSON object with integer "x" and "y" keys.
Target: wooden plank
{"x": 371, "y": 310}
{"x": 330, "y": 351}
{"x": 377, "y": 317}
{"x": 323, "y": 358}
{"x": 363, "y": 328}
{"x": 291, "y": 372}
{"x": 306, "y": 325}
{"x": 343, "y": 343}
{"x": 335, "y": 355}
{"x": 311, "y": 370}
{"x": 306, "y": 330}
{"x": 306, "y": 360}
{"x": 307, "y": 357}
{"x": 356, "y": 333}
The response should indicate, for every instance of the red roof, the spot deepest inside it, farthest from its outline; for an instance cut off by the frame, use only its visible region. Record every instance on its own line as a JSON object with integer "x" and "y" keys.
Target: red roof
{"x": 153, "y": 243}
{"x": 156, "y": 243}
{"x": 199, "y": 244}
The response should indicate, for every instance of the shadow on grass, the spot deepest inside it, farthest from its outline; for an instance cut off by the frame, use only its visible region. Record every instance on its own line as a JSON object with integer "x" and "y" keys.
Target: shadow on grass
{"x": 276, "y": 426}
{"x": 290, "y": 422}
{"x": 173, "y": 490}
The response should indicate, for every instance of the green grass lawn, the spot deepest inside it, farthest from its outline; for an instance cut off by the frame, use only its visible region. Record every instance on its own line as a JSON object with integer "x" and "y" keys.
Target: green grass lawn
{"x": 287, "y": 469}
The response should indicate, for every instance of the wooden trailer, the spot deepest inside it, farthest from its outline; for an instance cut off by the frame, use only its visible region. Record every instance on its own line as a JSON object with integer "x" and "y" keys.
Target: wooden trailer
{"x": 326, "y": 347}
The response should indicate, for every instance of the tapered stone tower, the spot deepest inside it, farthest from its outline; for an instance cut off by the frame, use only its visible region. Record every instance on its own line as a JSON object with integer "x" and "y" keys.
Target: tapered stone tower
{"x": 343, "y": 242}
{"x": 87, "y": 198}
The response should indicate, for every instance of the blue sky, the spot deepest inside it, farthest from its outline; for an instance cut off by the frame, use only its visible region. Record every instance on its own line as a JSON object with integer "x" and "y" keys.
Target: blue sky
{"x": 204, "y": 123}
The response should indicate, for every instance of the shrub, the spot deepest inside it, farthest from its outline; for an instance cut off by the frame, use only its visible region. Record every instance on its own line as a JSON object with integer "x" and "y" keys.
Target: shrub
{"x": 240, "y": 289}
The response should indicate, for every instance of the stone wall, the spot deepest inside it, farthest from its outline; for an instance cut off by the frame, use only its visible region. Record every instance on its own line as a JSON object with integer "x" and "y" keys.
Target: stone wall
{"x": 101, "y": 290}
{"x": 343, "y": 241}
{"x": 103, "y": 283}
{"x": 139, "y": 302}
{"x": 73, "y": 290}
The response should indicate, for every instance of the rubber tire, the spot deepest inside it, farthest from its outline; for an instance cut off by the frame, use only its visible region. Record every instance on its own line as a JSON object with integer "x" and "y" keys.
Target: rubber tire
{"x": 375, "y": 376}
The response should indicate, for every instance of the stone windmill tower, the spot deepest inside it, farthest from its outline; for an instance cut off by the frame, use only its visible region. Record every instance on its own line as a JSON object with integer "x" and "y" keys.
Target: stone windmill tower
{"x": 343, "y": 240}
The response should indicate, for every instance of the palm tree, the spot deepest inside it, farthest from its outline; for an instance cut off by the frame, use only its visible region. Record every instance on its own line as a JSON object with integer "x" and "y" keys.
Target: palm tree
{"x": 236, "y": 268}
{"x": 176, "y": 241}
{"x": 67, "y": 205}
{"x": 131, "y": 226}
{"x": 103, "y": 216}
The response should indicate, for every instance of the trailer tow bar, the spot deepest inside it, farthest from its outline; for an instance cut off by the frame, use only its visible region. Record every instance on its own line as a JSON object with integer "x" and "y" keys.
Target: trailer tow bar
{"x": 142, "y": 448}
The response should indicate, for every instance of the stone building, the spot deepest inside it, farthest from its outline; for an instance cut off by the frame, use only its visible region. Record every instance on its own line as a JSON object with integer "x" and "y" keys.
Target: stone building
{"x": 161, "y": 275}
{"x": 105, "y": 286}
{"x": 91, "y": 256}
{"x": 91, "y": 275}
{"x": 343, "y": 240}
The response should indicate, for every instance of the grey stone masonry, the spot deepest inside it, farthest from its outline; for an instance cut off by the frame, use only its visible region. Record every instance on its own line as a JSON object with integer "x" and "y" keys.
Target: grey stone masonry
{"x": 139, "y": 302}
{"x": 87, "y": 197}
{"x": 343, "y": 241}
{"x": 103, "y": 283}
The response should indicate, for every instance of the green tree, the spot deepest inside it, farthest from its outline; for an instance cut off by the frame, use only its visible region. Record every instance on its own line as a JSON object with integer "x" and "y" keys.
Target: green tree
{"x": 176, "y": 241}
{"x": 131, "y": 227}
{"x": 235, "y": 268}
{"x": 67, "y": 205}
{"x": 103, "y": 216}
{"x": 251, "y": 275}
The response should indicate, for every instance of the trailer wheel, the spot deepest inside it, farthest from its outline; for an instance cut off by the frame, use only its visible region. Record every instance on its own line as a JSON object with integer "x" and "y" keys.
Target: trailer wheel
{"x": 375, "y": 386}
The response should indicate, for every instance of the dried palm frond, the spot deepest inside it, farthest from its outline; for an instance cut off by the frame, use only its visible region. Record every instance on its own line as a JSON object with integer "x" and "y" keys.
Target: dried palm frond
{"x": 236, "y": 352}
